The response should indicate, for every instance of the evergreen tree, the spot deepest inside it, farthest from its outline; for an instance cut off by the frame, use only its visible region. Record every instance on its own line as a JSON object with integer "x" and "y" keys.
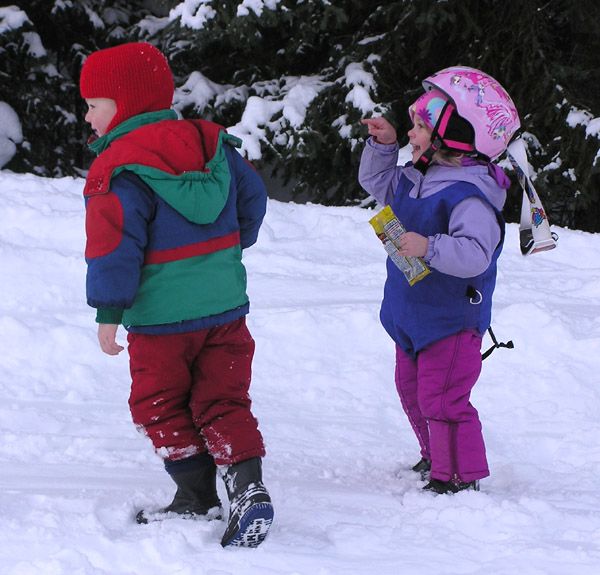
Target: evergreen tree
{"x": 529, "y": 47}
{"x": 310, "y": 70}
{"x": 24, "y": 63}
{"x": 262, "y": 54}
{"x": 43, "y": 59}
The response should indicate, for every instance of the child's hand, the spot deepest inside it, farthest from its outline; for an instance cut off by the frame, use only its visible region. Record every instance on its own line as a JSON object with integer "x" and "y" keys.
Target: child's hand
{"x": 380, "y": 129}
{"x": 107, "y": 334}
{"x": 413, "y": 245}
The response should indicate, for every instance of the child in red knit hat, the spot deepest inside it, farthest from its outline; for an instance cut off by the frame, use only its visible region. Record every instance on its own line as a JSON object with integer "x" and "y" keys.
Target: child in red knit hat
{"x": 170, "y": 204}
{"x": 136, "y": 76}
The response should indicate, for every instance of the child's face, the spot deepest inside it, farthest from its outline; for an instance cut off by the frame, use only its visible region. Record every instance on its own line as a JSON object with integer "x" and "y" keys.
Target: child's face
{"x": 419, "y": 137}
{"x": 100, "y": 113}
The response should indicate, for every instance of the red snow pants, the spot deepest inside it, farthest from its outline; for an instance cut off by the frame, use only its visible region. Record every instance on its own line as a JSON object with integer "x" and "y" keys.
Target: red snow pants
{"x": 189, "y": 393}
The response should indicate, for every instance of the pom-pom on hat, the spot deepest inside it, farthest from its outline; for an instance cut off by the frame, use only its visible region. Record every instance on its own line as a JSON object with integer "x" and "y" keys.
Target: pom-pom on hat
{"x": 136, "y": 76}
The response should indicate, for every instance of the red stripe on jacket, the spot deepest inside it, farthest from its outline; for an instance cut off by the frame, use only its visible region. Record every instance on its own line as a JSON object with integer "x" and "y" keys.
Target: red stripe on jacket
{"x": 192, "y": 250}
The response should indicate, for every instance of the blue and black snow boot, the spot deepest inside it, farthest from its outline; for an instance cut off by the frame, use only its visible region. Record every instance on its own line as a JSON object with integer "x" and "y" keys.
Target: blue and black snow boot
{"x": 196, "y": 496}
{"x": 250, "y": 510}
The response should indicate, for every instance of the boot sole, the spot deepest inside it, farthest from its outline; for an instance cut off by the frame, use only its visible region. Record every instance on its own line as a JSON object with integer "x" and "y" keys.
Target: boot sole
{"x": 253, "y": 527}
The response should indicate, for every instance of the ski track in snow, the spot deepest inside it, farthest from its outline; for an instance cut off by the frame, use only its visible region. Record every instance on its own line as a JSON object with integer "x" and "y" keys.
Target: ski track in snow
{"x": 74, "y": 469}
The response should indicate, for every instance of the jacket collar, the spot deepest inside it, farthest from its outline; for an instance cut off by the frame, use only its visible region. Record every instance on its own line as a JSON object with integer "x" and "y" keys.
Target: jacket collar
{"x": 100, "y": 144}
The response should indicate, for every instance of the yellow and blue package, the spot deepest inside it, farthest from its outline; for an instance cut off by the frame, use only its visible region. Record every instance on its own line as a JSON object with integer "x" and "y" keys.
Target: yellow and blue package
{"x": 389, "y": 230}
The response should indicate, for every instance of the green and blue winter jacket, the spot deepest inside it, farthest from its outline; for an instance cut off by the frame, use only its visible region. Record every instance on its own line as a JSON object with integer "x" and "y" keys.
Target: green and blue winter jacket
{"x": 170, "y": 204}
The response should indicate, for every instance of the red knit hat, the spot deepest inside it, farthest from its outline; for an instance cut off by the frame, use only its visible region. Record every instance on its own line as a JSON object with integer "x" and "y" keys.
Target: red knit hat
{"x": 135, "y": 75}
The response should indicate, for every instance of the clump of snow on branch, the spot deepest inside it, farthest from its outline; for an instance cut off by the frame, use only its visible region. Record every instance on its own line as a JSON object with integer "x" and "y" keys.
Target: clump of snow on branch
{"x": 362, "y": 85}
{"x": 193, "y": 13}
{"x": 11, "y": 133}
{"x": 273, "y": 107}
{"x": 256, "y": 6}
{"x": 36, "y": 48}
{"x": 12, "y": 18}
{"x": 198, "y": 91}
{"x": 577, "y": 117}
{"x": 284, "y": 103}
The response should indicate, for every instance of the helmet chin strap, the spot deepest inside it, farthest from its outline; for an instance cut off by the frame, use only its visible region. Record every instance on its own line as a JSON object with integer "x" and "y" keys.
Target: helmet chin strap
{"x": 424, "y": 161}
{"x": 426, "y": 158}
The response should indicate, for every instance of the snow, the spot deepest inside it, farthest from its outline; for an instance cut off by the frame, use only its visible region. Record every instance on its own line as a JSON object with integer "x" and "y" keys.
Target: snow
{"x": 95, "y": 19}
{"x": 577, "y": 117}
{"x": 193, "y": 13}
{"x": 339, "y": 447}
{"x": 10, "y": 133}
{"x": 361, "y": 83}
{"x": 276, "y": 105}
{"x": 288, "y": 106}
{"x": 36, "y": 47}
{"x": 198, "y": 91}
{"x": 256, "y": 6}
{"x": 12, "y": 18}
{"x": 593, "y": 128}
{"x": 151, "y": 25}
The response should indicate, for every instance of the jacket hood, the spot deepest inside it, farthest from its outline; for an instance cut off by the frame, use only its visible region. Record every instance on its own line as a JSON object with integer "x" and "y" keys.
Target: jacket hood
{"x": 183, "y": 161}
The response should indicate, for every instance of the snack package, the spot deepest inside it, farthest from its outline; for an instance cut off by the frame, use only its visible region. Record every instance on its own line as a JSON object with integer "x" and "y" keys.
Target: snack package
{"x": 389, "y": 229}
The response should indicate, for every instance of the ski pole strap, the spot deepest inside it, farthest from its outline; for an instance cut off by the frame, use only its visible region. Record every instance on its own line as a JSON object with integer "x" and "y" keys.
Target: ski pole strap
{"x": 534, "y": 228}
{"x": 509, "y": 344}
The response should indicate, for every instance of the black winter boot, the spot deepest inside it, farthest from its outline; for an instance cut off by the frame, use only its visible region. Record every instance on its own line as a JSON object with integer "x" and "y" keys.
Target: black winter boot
{"x": 250, "y": 510}
{"x": 443, "y": 487}
{"x": 423, "y": 467}
{"x": 196, "y": 495}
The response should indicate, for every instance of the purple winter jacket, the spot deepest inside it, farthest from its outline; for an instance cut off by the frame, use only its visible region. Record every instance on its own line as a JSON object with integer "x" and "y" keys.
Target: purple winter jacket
{"x": 466, "y": 251}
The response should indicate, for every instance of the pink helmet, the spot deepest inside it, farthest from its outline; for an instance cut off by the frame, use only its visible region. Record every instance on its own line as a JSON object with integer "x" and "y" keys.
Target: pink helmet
{"x": 483, "y": 102}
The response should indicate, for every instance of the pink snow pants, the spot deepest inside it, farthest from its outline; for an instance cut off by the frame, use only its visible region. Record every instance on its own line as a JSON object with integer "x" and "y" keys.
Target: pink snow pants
{"x": 435, "y": 391}
{"x": 189, "y": 393}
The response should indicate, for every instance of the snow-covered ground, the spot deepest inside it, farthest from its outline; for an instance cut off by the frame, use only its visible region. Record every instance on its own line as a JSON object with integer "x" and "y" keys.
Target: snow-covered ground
{"x": 74, "y": 469}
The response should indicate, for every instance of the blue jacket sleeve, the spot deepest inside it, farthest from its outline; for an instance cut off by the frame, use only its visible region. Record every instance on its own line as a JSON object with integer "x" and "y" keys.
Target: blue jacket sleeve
{"x": 117, "y": 233}
{"x": 251, "y": 198}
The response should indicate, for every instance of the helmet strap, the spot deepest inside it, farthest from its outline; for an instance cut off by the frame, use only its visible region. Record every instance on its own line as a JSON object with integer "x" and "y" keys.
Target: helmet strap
{"x": 425, "y": 159}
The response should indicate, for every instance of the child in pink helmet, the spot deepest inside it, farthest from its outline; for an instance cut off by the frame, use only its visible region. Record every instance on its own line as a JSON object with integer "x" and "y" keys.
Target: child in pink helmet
{"x": 450, "y": 199}
{"x": 170, "y": 205}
